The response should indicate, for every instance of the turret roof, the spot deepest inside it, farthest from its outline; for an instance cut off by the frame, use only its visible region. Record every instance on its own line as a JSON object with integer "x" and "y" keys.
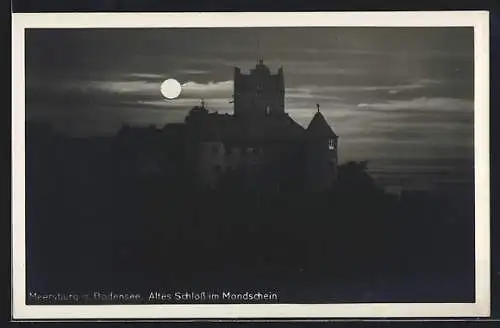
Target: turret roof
{"x": 319, "y": 127}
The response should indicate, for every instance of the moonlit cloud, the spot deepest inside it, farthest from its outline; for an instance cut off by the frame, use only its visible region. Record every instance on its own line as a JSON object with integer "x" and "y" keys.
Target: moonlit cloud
{"x": 193, "y": 71}
{"x": 308, "y": 93}
{"x": 145, "y": 76}
{"x": 207, "y": 90}
{"x": 117, "y": 87}
{"x": 422, "y": 104}
{"x": 416, "y": 85}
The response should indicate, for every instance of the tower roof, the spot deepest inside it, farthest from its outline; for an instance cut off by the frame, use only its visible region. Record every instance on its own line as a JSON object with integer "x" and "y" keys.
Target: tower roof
{"x": 319, "y": 127}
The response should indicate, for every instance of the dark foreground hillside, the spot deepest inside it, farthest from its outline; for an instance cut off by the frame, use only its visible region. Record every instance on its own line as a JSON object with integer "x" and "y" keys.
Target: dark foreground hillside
{"x": 91, "y": 225}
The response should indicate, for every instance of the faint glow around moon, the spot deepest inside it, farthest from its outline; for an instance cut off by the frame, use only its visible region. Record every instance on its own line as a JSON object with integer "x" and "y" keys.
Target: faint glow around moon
{"x": 171, "y": 88}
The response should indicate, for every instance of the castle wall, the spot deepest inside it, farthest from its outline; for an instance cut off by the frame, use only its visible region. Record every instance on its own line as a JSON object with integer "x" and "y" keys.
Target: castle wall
{"x": 214, "y": 160}
{"x": 270, "y": 166}
{"x": 211, "y": 163}
{"x": 247, "y": 161}
{"x": 321, "y": 165}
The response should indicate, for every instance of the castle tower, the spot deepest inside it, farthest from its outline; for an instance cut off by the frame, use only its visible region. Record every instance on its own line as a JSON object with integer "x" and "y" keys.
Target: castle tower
{"x": 321, "y": 154}
{"x": 259, "y": 93}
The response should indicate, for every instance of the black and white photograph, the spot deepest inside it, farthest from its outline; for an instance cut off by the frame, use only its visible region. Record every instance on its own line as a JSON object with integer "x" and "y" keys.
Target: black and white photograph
{"x": 246, "y": 169}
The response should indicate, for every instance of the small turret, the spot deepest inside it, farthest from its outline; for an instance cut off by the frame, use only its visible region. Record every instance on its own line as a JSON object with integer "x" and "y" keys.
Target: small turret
{"x": 322, "y": 162}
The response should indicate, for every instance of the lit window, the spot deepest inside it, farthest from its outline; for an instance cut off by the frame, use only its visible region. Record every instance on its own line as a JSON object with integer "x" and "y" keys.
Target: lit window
{"x": 331, "y": 144}
{"x": 268, "y": 109}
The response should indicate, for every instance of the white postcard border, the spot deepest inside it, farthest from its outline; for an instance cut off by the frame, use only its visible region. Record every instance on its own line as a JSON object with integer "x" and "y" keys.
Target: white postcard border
{"x": 478, "y": 19}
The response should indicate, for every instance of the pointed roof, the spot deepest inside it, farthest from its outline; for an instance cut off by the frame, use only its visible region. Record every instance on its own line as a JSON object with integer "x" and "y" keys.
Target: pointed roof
{"x": 319, "y": 127}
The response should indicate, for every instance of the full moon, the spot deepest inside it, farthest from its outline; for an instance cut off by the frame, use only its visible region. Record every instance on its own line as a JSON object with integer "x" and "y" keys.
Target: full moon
{"x": 171, "y": 88}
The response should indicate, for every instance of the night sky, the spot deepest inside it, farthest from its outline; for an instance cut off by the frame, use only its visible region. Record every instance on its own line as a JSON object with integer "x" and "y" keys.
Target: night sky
{"x": 401, "y": 98}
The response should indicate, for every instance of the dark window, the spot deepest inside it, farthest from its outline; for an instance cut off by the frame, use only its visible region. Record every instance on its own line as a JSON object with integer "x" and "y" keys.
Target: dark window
{"x": 215, "y": 148}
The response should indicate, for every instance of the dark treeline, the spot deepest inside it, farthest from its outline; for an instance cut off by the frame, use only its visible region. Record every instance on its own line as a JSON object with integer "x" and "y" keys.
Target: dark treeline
{"x": 118, "y": 213}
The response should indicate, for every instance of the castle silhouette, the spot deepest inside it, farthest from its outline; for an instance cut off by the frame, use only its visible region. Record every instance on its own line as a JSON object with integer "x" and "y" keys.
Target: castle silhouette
{"x": 260, "y": 145}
